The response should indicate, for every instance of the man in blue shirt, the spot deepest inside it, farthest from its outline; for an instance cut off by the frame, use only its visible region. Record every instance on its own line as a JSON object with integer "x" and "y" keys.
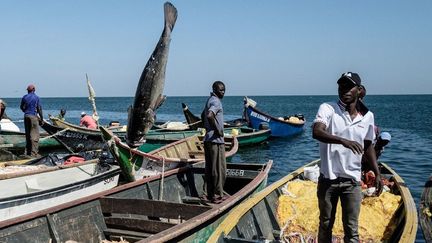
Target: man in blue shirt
{"x": 214, "y": 144}
{"x": 30, "y": 105}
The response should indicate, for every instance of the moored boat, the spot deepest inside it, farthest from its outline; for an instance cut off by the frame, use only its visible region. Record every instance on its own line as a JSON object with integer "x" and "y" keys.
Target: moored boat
{"x": 195, "y": 122}
{"x": 136, "y": 164}
{"x": 258, "y": 219}
{"x": 28, "y": 188}
{"x": 16, "y": 141}
{"x": 157, "y": 208}
{"x": 280, "y": 127}
{"x": 425, "y": 210}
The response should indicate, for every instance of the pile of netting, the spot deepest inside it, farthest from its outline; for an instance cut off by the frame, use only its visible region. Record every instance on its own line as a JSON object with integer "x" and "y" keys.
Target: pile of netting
{"x": 298, "y": 215}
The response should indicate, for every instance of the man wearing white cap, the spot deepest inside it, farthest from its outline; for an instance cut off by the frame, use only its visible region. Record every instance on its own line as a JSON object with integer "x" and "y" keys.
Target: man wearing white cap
{"x": 382, "y": 140}
{"x": 87, "y": 121}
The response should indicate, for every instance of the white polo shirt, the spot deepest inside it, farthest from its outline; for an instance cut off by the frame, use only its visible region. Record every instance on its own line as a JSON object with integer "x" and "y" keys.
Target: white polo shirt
{"x": 336, "y": 160}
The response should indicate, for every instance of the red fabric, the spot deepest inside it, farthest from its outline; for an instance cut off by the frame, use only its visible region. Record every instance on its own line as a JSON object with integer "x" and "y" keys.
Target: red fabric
{"x": 74, "y": 159}
{"x": 88, "y": 122}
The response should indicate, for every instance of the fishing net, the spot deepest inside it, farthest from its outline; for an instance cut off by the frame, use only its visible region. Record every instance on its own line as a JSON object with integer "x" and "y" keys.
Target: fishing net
{"x": 298, "y": 215}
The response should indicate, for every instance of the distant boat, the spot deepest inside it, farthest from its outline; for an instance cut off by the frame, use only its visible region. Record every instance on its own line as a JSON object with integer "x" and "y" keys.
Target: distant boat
{"x": 27, "y": 189}
{"x": 257, "y": 217}
{"x": 280, "y": 127}
{"x": 425, "y": 210}
{"x": 158, "y": 208}
{"x": 195, "y": 122}
{"x": 136, "y": 164}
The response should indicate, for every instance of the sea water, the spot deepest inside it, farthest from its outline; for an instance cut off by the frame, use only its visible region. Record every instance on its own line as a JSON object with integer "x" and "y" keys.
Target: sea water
{"x": 406, "y": 117}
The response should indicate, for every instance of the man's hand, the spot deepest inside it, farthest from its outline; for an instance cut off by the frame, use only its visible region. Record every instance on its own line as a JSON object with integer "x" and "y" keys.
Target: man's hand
{"x": 353, "y": 145}
{"x": 378, "y": 185}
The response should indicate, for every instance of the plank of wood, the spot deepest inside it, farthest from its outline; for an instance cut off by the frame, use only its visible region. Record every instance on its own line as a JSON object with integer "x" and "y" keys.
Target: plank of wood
{"x": 151, "y": 208}
{"x": 137, "y": 224}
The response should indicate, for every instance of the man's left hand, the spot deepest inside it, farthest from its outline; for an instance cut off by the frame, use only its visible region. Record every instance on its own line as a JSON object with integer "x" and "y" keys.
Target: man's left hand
{"x": 378, "y": 185}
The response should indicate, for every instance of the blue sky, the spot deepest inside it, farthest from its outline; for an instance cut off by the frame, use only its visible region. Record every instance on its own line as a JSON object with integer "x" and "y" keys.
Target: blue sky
{"x": 255, "y": 47}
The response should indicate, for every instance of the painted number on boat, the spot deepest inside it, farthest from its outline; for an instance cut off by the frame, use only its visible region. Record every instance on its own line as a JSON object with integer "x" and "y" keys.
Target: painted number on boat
{"x": 75, "y": 135}
{"x": 108, "y": 180}
{"x": 259, "y": 116}
{"x": 233, "y": 172}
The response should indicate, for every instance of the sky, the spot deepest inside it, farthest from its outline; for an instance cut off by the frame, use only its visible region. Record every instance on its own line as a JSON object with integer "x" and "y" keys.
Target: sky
{"x": 278, "y": 47}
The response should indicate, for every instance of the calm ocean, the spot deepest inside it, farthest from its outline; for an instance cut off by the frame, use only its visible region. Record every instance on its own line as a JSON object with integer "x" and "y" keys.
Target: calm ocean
{"x": 407, "y": 117}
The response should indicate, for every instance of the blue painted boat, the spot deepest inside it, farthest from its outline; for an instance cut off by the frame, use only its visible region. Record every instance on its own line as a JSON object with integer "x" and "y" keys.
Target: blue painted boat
{"x": 280, "y": 127}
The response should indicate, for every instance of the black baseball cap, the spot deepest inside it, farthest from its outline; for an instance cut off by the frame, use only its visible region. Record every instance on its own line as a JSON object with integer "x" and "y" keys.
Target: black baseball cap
{"x": 351, "y": 77}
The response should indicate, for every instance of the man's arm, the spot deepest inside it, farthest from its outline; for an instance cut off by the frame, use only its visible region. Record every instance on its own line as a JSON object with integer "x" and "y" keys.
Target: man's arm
{"x": 373, "y": 165}
{"x": 211, "y": 117}
{"x": 320, "y": 133}
{"x": 22, "y": 106}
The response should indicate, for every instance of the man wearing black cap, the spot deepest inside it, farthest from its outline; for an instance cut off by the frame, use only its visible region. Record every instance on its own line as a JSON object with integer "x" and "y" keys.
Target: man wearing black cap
{"x": 345, "y": 132}
{"x": 31, "y": 106}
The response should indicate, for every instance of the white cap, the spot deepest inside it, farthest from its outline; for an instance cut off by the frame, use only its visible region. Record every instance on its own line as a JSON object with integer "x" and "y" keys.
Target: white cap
{"x": 385, "y": 136}
{"x": 83, "y": 113}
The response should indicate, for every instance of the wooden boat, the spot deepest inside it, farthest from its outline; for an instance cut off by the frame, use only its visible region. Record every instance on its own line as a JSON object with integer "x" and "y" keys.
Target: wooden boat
{"x": 195, "y": 122}
{"x": 119, "y": 130}
{"x": 280, "y": 127}
{"x": 425, "y": 210}
{"x": 27, "y": 189}
{"x": 246, "y": 136}
{"x": 16, "y": 141}
{"x": 136, "y": 164}
{"x": 158, "y": 208}
{"x": 255, "y": 220}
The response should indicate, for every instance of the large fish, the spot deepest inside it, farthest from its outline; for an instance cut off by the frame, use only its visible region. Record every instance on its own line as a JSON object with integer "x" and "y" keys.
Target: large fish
{"x": 148, "y": 95}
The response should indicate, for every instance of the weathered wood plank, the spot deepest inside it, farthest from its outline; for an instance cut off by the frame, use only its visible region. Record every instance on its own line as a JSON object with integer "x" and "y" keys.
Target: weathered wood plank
{"x": 135, "y": 224}
{"x": 151, "y": 208}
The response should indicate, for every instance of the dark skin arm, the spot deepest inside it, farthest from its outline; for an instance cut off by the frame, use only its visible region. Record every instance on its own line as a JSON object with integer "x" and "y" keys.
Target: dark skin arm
{"x": 211, "y": 117}
{"x": 39, "y": 111}
{"x": 2, "y": 109}
{"x": 319, "y": 132}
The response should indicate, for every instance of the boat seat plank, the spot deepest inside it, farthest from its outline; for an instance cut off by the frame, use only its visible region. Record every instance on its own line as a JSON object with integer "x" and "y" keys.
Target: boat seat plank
{"x": 137, "y": 224}
{"x": 151, "y": 208}
{"x": 110, "y": 233}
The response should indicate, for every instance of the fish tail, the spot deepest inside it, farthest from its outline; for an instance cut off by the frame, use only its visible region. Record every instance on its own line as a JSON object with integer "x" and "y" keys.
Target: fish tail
{"x": 170, "y": 15}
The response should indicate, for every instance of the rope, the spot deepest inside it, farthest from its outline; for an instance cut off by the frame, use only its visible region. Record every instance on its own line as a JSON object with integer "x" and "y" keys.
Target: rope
{"x": 57, "y": 133}
{"x": 161, "y": 188}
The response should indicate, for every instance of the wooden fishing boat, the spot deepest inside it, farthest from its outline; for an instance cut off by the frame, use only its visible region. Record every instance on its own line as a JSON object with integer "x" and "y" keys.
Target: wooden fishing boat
{"x": 425, "y": 210}
{"x": 64, "y": 124}
{"x": 256, "y": 219}
{"x": 157, "y": 208}
{"x": 195, "y": 122}
{"x": 16, "y": 141}
{"x": 136, "y": 164}
{"x": 280, "y": 127}
{"x": 27, "y": 189}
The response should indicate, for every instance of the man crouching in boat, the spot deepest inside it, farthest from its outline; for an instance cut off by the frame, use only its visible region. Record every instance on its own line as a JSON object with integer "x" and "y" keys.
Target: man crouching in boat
{"x": 345, "y": 132}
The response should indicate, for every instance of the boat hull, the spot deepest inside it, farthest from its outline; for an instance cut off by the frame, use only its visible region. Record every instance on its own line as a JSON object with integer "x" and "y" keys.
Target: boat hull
{"x": 27, "y": 194}
{"x": 256, "y": 218}
{"x": 140, "y": 210}
{"x": 278, "y": 128}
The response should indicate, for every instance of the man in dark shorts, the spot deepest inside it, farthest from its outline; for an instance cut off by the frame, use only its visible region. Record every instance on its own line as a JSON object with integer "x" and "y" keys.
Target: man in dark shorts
{"x": 31, "y": 106}
{"x": 214, "y": 144}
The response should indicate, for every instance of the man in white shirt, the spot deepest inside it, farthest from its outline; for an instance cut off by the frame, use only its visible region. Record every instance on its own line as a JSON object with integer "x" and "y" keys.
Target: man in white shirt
{"x": 345, "y": 131}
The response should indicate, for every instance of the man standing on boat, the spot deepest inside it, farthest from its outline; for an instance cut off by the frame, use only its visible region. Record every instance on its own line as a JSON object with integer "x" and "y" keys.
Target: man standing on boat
{"x": 345, "y": 131}
{"x": 31, "y": 106}
{"x": 214, "y": 144}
